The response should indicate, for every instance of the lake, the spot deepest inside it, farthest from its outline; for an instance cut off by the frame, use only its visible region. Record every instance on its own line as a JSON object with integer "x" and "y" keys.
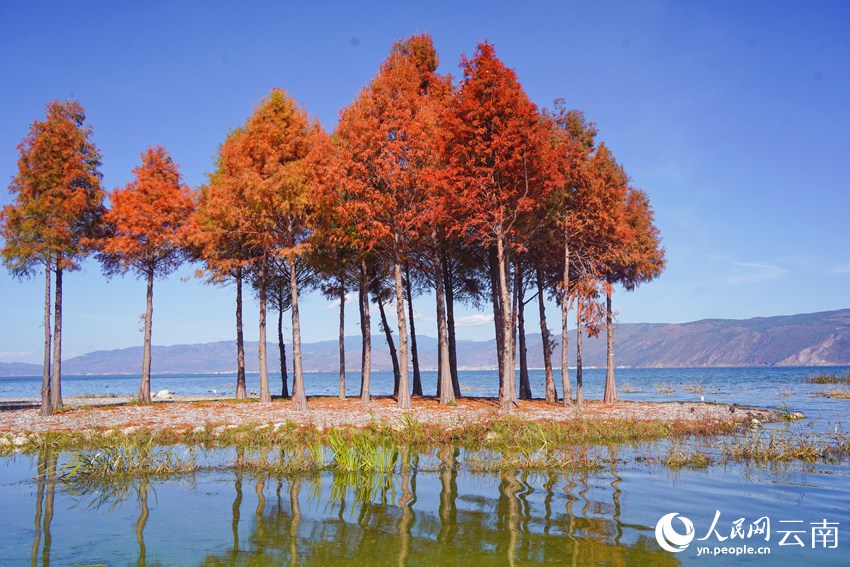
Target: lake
{"x": 435, "y": 512}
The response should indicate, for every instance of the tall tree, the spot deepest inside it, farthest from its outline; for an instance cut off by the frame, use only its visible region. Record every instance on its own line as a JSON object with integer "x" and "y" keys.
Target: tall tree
{"x": 277, "y": 216}
{"x": 638, "y": 258}
{"x": 56, "y": 211}
{"x": 215, "y": 237}
{"x": 385, "y": 147}
{"x": 143, "y": 233}
{"x": 496, "y": 142}
{"x": 574, "y": 140}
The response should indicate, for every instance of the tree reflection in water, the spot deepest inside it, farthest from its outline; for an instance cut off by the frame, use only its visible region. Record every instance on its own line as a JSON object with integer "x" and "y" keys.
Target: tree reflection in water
{"x": 430, "y": 510}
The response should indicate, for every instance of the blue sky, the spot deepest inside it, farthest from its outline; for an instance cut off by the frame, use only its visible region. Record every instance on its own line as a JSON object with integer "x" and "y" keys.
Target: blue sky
{"x": 733, "y": 116}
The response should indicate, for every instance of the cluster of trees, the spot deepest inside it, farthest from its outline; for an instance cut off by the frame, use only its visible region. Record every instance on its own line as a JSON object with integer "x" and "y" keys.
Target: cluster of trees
{"x": 467, "y": 190}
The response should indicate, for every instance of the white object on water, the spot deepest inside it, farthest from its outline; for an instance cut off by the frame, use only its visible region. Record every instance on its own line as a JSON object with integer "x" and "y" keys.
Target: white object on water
{"x": 164, "y": 395}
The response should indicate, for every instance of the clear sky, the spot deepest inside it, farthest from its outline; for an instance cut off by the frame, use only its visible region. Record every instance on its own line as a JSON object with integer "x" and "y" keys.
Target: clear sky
{"x": 733, "y": 116}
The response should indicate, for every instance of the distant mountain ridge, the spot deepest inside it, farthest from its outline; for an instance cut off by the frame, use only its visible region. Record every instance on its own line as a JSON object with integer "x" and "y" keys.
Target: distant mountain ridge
{"x": 814, "y": 339}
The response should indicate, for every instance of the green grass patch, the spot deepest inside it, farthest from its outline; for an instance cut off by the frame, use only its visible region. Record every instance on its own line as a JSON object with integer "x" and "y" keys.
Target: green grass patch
{"x": 825, "y": 378}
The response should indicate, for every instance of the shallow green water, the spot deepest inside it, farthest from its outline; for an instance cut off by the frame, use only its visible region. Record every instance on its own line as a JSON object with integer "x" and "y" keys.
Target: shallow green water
{"x": 435, "y": 512}
{"x": 413, "y": 517}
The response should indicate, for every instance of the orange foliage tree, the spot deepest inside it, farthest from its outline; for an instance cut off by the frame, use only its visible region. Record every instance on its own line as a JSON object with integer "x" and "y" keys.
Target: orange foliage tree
{"x": 143, "y": 233}
{"x": 635, "y": 257}
{"x": 386, "y": 146}
{"x": 269, "y": 208}
{"x": 497, "y": 146}
{"x": 213, "y": 235}
{"x": 56, "y": 210}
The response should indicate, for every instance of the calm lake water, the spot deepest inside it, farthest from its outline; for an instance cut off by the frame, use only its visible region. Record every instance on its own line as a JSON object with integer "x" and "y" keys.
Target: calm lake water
{"x": 435, "y": 513}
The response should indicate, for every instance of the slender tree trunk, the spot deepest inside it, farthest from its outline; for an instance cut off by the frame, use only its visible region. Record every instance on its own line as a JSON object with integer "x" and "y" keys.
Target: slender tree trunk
{"x": 508, "y": 378}
{"x": 46, "y": 402}
{"x": 298, "y": 394}
{"x": 497, "y": 319}
{"x": 145, "y": 386}
{"x": 447, "y": 394}
{"x": 56, "y": 378}
{"x": 579, "y": 332}
{"x": 241, "y": 391}
{"x": 450, "y": 320}
{"x": 610, "y": 395}
{"x": 341, "y": 339}
{"x": 265, "y": 393}
{"x": 281, "y": 346}
{"x": 390, "y": 344}
{"x": 404, "y": 384}
{"x": 565, "y": 337}
{"x": 417, "y": 378}
{"x": 551, "y": 392}
{"x": 524, "y": 381}
{"x": 366, "y": 333}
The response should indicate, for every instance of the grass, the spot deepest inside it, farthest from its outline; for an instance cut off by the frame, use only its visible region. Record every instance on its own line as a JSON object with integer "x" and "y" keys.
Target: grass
{"x": 693, "y": 388}
{"x": 778, "y": 446}
{"x": 664, "y": 388}
{"x": 679, "y": 458}
{"x": 627, "y": 388}
{"x": 380, "y": 448}
{"x": 824, "y": 378}
{"x": 834, "y": 393}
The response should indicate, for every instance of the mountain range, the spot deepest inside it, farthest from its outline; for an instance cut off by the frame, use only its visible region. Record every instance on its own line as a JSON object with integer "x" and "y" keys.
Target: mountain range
{"x": 815, "y": 339}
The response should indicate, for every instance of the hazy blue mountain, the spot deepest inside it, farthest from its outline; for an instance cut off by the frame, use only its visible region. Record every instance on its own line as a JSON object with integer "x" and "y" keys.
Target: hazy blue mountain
{"x": 797, "y": 340}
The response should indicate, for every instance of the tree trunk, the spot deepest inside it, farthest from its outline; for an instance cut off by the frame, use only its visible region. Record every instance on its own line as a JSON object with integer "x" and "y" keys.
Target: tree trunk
{"x": 403, "y": 385}
{"x": 497, "y": 318}
{"x": 450, "y": 320}
{"x": 390, "y": 343}
{"x": 447, "y": 394}
{"x": 265, "y": 393}
{"x": 417, "y": 378}
{"x": 366, "y": 333}
{"x": 281, "y": 346}
{"x": 519, "y": 293}
{"x": 56, "y": 378}
{"x": 565, "y": 337}
{"x": 46, "y": 402}
{"x": 551, "y": 391}
{"x": 508, "y": 378}
{"x": 579, "y": 331}
{"x": 610, "y": 395}
{"x": 298, "y": 394}
{"x": 145, "y": 386}
{"x": 241, "y": 391}
{"x": 341, "y": 339}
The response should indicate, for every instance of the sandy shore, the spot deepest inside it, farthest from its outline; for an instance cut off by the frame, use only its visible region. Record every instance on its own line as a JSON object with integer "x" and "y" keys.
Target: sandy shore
{"x": 182, "y": 413}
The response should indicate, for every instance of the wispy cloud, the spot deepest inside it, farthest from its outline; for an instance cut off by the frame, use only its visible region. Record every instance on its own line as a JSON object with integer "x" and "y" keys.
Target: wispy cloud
{"x": 746, "y": 273}
{"x": 845, "y": 269}
{"x": 335, "y": 303}
{"x": 474, "y": 320}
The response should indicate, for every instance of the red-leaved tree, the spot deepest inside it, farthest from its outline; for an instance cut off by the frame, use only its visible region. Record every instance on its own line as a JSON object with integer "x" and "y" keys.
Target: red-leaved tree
{"x": 143, "y": 233}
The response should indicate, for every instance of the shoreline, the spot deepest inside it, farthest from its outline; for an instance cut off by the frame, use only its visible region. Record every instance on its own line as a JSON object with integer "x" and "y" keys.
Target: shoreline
{"x": 184, "y": 414}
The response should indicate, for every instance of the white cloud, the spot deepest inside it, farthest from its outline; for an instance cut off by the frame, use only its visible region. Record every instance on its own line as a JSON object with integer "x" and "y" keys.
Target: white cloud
{"x": 474, "y": 320}
{"x": 335, "y": 303}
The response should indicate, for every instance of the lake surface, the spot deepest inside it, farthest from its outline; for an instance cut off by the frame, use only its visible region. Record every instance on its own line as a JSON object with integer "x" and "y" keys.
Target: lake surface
{"x": 434, "y": 513}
